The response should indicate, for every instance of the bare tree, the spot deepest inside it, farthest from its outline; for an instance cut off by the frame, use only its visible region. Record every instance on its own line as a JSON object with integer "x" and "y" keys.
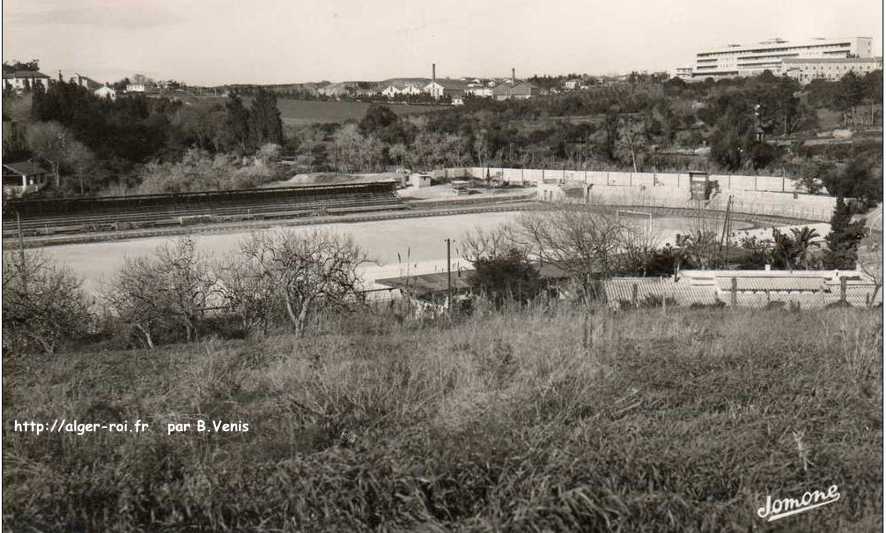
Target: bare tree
{"x": 501, "y": 240}
{"x": 586, "y": 244}
{"x": 249, "y": 290}
{"x": 172, "y": 289}
{"x": 631, "y": 141}
{"x": 43, "y": 304}
{"x": 309, "y": 270}
{"x": 870, "y": 261}
{"x": 134, "y": 300}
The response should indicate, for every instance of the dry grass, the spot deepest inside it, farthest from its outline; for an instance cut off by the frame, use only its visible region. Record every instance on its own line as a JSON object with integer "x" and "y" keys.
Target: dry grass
{"x": 682, "y": 421}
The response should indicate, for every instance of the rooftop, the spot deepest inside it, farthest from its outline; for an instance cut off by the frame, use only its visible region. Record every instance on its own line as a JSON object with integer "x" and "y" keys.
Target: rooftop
{"x": 24, "y": 74}
{"x": 436, "y": 283}
{"x": 800, "y": 60}
{"x": 24, "y": 168}
{"x": 769, "y": 45}
{"x": 451, "y": 84}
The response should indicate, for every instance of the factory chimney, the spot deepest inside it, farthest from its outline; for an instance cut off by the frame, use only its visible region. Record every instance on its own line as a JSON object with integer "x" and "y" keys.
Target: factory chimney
{"x": 433, "y": 72}
{"x": 514, "y": 76}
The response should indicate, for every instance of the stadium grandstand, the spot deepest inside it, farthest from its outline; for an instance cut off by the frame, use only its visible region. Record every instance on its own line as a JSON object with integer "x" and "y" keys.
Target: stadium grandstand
{"x": 31, "y": 217}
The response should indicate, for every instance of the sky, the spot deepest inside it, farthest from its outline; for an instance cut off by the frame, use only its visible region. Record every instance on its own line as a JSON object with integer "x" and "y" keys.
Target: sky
{"x": 215, "y": 42}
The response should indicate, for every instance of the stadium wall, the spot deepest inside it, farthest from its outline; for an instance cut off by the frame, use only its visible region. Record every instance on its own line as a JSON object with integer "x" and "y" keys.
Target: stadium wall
{"x": 762, "y": 195}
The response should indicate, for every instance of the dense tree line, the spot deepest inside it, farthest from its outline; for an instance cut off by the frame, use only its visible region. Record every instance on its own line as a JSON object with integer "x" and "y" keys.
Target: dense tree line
{"x": 745, "y": 125}
{"x": 642, "y": 125}
{"x": 96, "y": 143}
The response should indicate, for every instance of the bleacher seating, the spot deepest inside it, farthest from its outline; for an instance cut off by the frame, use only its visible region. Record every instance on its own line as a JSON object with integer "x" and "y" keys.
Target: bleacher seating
{"x": 36, "y": 218}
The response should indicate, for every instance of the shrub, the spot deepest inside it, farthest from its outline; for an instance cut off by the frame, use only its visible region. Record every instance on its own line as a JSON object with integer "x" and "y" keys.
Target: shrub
{"x": 43, "y": 305}
{"x": 165, "y": 294}
{"x": 298, "y": 272}
{"x": 506, "y": 277}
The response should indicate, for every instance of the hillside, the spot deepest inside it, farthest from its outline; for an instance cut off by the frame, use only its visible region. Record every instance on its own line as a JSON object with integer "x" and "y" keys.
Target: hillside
{"x": 677, "y": 421}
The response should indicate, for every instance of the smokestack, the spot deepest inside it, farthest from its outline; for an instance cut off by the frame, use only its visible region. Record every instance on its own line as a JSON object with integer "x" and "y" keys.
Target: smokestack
{"x": 513, "y": 75}
{"x": 433, "y": 72}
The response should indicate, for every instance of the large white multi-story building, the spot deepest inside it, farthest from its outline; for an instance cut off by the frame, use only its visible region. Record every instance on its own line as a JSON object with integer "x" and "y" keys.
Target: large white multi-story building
{"x": 752, "y": 59}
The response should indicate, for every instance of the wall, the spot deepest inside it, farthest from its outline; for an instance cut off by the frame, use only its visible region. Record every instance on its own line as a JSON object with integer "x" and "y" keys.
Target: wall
{"x": 763, "y": 195}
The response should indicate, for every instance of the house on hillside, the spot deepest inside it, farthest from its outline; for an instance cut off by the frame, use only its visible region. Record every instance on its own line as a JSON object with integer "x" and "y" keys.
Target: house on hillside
{"x": 575, "y": 84}
{"x": 519, "y": 90}
{"x": 106, "y": 92}
{"x": 395, "y": 88}
{"x": 446, "y": 88}
{"x": 136, "y": 88}
{"x": 480, "y": 89}
{"x": 85, "y": 82}
{"x": 21, "y": 80}
{"x": 23, "y": 177}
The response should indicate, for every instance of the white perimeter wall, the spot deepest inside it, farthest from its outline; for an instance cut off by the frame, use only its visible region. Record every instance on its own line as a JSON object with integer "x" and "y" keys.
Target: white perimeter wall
{"x": 763, "y": 195}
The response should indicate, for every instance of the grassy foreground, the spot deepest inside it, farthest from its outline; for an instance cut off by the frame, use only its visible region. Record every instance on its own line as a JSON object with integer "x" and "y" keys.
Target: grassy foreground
{"x": 677, "y": 421}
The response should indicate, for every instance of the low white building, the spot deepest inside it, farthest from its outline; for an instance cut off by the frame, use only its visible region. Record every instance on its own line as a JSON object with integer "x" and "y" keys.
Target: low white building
{"x": 440, "y": 88}
{"x": 106, "y": 92}
{"x": 23, "y": 177}
{"x": 479, "y": 90}
{"x": 21, "y": 80}
{"x": 85, "y": 82}
{"x": 420, "y": 180}
{"x": 683, "y": 73}
{"x": 403, "y": 88}
{"x": 135, "y": 88}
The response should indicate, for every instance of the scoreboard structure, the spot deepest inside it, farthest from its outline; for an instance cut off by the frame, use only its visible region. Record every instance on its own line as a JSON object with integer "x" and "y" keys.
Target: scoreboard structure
{"x": 701, "y": 186}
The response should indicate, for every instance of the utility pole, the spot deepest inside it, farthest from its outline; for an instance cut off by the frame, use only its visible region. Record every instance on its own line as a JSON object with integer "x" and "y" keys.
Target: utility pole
{"x": 448, "y": 277}
{"x": 726, "y": 225}
{"x": 21, "y": 240}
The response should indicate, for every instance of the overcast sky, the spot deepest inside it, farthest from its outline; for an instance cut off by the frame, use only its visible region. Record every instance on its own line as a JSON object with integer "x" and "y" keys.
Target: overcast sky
{"x": 213, "y": 42}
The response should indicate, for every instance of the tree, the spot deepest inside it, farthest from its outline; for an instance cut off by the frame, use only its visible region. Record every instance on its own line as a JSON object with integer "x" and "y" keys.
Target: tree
{"x": 250, "y": 293}
{"x": 870, "y": 261}
{"x": 611, "y": 127}
{"x": 201, "y": 124}
{"x": 355, "y": 152}
{"x": 805, "y": 246}
{"x": 236, "y": 125}
{"x": 377, "y": 120}
{"x": 585, "y": 244}
{"x": 309, "y": 270}
{"x": 480, "y": 244}
{"x": 506, "y": 277}
{"x": 631, "y": 143}
{"x": 56, "y": 143}
{"x": 265, "y": 125}
{"x": 815, "y": 175}
{"x": 43, "y": 304}
{"x": 167, "y": 292}
{"x": 784, "y": 250}
{"x": 698, "y": 249}
{"x": 855, "y": 180}
{"x": 843, "y": 239}
{"x": 727, "y": 148}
